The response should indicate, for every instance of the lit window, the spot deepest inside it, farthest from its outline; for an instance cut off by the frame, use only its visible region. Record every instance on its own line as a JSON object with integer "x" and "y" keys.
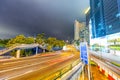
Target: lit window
{"x": 110, "y": 26}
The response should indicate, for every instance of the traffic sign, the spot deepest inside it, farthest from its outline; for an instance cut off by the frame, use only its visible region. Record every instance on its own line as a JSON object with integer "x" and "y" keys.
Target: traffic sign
{"x": 84, "y": 52}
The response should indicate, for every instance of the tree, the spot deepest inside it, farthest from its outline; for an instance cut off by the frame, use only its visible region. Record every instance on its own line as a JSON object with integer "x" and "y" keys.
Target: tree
{"x": 20, "y": 39}
{"x": 40, "y": 38}
{"x": 29, "y": 40}
{"x": 53, "y": 42}
{"x": 13, "y": 53}
{"x": 49, "y": 47}
{"x": 3, "y": 42}
{"x": 61, "y": 43}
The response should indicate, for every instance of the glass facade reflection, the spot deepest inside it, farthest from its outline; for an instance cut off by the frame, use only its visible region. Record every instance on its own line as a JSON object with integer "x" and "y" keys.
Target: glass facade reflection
{"x": 103, "y": 17}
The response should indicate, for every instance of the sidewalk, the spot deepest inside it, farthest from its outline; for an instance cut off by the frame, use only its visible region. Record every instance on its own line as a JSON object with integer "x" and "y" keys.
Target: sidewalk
{"x": 109, "y": 56}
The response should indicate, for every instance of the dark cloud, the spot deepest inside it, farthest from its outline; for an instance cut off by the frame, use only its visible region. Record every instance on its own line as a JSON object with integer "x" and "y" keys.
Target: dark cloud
{"x": 53, "y": 17}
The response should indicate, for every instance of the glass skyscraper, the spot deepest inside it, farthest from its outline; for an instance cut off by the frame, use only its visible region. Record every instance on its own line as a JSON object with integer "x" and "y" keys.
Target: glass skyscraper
{"x": 119, "y": 7}
{"x": 104, "y": 17}
{"x": 112, "y": 22}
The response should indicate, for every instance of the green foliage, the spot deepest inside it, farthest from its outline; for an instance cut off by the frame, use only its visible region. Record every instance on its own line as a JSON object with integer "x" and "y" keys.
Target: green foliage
{"x": 53, "y": 42}
{"x": 111, "y": 40}
{"x": 114, "y": 40}
{"x": 25, "y": 53}
{"x": 49, "y": 47}
{"x": 49, "y": 43}
{"x": 13, "y": 53}
{"x": 29, "y": 40}
{"x": 28, "y": 52}
{"x": 40, "y": 39}
{"x": 20, "y": 39}
{"x": 116, "y": 64}
{"x": 115, "y": 47}
{"x": 77, "y": 42}
{"x": 2, "y": 45}
{"x": 3, "y": 42}
{"x": 93, "y": 63}
{"x": 22, "y": 53}
{"x": 96, "y": 47}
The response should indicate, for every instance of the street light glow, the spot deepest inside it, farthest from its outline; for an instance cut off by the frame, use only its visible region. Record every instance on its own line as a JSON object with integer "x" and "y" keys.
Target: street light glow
{"x": 86, "y": 11}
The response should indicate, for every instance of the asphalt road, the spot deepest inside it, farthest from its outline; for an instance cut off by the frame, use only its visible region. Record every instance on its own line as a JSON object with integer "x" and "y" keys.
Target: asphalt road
{"x": 36, "y": 67}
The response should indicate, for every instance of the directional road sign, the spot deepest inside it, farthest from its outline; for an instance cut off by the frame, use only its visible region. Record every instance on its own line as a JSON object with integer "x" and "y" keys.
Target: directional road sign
{"x": 84, "y": 52}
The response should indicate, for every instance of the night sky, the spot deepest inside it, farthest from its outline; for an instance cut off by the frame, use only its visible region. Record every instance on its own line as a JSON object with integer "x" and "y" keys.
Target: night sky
{"x": 53, "y": 17}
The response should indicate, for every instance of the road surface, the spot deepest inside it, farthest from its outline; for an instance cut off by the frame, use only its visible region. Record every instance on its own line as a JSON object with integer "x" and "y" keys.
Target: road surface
{"x": 36, "y": 67}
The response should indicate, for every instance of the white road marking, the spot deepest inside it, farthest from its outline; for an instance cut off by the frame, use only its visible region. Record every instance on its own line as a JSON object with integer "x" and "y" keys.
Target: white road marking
{"x": 32, "y": 70}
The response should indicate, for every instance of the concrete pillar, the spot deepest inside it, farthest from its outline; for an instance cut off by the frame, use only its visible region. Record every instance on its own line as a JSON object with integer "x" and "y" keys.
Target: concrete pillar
{"x": 18, "y": 53}
{"x": 36, "y": 50}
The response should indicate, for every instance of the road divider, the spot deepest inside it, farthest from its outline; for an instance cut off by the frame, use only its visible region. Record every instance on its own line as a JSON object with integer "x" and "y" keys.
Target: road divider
{"x": 60, "y": 73}
{"x": 110, "y": 71}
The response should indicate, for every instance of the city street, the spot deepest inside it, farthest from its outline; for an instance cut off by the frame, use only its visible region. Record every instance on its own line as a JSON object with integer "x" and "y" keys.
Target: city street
{"x": 36, "y": 67}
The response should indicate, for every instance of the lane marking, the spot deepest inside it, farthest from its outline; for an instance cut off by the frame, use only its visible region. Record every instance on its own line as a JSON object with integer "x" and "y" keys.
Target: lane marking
{"x": 35, "y": 70}
{"x": 26, "y": 66}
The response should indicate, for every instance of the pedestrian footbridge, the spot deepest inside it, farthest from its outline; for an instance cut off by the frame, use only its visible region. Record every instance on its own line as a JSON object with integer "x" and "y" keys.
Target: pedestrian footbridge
{"x": 19, "y": 47}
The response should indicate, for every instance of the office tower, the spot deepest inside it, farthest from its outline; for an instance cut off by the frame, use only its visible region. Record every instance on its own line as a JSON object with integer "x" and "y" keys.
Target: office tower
{"x": 77, "y": 27}
{"x": 112, "y": 22}
{"x": 97, "y": 18}
{"x": 118, "y": 15}
{"x": 104, "y": 17}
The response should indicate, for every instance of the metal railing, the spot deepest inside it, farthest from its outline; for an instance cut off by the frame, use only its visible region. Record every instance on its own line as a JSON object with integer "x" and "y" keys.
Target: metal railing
{"x": 58, "y": 74}
{"x": 111, "y": 70}
{"x": 8, "y": 49}
{"x": 3, "y": 51}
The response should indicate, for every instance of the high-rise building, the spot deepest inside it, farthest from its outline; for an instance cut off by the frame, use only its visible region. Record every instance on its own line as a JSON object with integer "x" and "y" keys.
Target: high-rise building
{"x": 77, "y": 27}
{"x": 112, "y": 22}
{"x": 97, "y": 18}
{"x": 87, "y": 13}
{"x": 104, "y": 17}
{"x": 118, "y": 15}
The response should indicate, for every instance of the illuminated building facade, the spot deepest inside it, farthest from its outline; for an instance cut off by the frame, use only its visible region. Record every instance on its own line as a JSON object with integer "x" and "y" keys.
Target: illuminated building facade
{"x": 104, "y": 17}
{"x": 97, "y": 18}
{"x": 119, "y": 8}
{"x": 112, "y": 22}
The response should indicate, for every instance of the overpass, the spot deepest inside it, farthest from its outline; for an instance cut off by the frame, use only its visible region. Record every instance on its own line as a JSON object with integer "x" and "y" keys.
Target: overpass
{"x": 19, "y": 47}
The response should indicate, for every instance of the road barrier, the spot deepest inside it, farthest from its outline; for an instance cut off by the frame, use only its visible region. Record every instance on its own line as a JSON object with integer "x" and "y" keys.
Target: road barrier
{"x": 58, "y": 74}
{"x": 73, "y": 74}
{"x": 111, "y": 72}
